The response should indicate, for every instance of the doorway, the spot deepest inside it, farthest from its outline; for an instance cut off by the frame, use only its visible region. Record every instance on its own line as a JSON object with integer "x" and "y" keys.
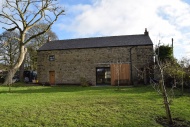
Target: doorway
{"x": 52, "y": 77}
{"x": 103, "y": 76}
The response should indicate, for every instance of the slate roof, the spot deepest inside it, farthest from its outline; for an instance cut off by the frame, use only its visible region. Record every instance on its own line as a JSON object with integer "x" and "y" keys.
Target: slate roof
{"x": 98, "y": 42}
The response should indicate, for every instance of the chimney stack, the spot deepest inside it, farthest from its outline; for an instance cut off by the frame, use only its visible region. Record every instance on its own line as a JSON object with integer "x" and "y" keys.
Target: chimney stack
{"x": 49, "y": 39}
{"x": 146, "y": 32}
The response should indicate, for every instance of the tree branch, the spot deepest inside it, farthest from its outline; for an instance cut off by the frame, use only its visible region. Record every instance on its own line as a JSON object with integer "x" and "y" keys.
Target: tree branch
{"x": 46, "y": 28}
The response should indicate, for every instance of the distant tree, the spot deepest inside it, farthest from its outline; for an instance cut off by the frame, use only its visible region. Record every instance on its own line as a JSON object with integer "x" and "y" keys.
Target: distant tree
{"x": 173, "y": 74}
{"x": 164, "y": 52}
{"x": 38, "y": 41}
{"x": 22, "y": 15}
{"x": 185, "y": 62}
{"x": 185, "y": 65}
{"x": 9, "y": 48}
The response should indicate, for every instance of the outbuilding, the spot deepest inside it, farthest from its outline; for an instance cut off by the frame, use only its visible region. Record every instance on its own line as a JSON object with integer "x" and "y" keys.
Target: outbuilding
{"x": 99, "y": 60}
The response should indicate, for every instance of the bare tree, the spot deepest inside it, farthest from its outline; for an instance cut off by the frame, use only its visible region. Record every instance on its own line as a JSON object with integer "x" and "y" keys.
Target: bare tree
{"x": 22, "y": 15}
{"x": 164, "y": 92}
{"x": 38, "y": 41}
{"x": 185, "y": 65}
{"x": 34, "y": 44}
{"x": 8, "y": 48}
{"x": 158, "y": 69}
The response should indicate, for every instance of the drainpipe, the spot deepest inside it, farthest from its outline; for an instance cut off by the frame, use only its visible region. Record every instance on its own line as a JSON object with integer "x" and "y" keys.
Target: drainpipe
{"x": 131, "y": 67}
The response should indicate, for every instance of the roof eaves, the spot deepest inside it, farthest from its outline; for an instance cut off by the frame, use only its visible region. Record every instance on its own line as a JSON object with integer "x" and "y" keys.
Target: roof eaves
{"x": 94, "y": 47}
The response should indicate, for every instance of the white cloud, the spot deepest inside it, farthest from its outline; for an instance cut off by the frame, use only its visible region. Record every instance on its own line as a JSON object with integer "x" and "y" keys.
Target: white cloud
{"x": 165, "y": 19}
{"x": 1, "y": 3}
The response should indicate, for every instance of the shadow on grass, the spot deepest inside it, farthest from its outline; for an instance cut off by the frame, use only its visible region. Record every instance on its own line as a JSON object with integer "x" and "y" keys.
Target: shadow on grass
{"x": 177, "y": 122}
{"x": 54, "y": 89}
{"x": 41, "y": 89}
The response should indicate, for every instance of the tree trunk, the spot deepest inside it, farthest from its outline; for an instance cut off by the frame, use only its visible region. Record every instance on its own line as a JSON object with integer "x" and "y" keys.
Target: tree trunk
{"x": 12, "y": 71}
{"x": 166, "y": 102}
{"x": 9, "y": 77}
{"x": 21, "y": 71}
{"x": 164, "y": 94}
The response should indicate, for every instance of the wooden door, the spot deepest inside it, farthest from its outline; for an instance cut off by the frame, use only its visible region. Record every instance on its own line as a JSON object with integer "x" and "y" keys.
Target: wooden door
{"x": 52, "y": 77}
{"x": 120, "y": 72}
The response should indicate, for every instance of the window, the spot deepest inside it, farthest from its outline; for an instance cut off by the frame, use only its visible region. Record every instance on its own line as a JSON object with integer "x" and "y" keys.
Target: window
{"x": 51, "y": 58}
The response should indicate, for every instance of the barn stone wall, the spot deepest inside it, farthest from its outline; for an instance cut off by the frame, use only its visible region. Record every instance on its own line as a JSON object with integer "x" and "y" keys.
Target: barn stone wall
{"x": 70, "y": 65}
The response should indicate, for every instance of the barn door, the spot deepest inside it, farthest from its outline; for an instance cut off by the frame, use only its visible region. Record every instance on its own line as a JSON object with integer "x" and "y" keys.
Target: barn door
{"x": 52, "y": 77}
{"x": 120, "y": 72}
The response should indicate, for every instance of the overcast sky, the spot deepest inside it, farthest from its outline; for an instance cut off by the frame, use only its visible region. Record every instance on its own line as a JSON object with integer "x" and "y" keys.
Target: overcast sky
{"x": 164, "y": 19}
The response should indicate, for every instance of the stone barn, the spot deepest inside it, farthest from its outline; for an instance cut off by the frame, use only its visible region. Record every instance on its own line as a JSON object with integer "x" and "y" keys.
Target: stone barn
{"x": 99, "y": 60}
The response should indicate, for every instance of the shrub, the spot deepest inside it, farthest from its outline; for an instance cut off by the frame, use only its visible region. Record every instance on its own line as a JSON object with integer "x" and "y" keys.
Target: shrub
{"x": 84, "y": 82}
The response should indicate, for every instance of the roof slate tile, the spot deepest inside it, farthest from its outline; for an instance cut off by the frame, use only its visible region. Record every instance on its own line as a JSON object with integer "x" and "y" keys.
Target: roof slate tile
{"x": 98, "y": 42}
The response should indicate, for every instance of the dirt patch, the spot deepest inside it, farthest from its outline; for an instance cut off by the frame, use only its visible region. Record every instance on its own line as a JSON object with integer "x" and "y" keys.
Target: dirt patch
{"x": 177, "y": 122}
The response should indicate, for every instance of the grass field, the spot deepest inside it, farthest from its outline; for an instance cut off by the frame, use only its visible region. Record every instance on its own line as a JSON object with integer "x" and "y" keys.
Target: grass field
{"x": 38, "y": 106}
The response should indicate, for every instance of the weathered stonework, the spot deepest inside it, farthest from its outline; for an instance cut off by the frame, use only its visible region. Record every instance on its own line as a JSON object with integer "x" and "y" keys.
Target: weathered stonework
{"x": 70, "y": 65}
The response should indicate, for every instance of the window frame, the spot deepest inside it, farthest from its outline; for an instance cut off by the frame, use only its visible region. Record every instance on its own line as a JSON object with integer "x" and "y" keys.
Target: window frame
{"x": 51, "y": 57}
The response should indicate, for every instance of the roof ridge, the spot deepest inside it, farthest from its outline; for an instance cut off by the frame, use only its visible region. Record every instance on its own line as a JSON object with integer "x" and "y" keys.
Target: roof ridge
{"x": 98, "y": 37}
{"x": 97, "y": 42}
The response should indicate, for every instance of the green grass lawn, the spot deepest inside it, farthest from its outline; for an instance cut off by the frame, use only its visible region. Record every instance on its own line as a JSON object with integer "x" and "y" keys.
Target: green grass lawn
{"x": 38, "y": 106}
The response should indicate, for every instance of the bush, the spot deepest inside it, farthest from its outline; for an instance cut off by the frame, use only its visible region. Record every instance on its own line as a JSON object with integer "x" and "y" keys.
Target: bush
{"x": 84, "y": 82}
